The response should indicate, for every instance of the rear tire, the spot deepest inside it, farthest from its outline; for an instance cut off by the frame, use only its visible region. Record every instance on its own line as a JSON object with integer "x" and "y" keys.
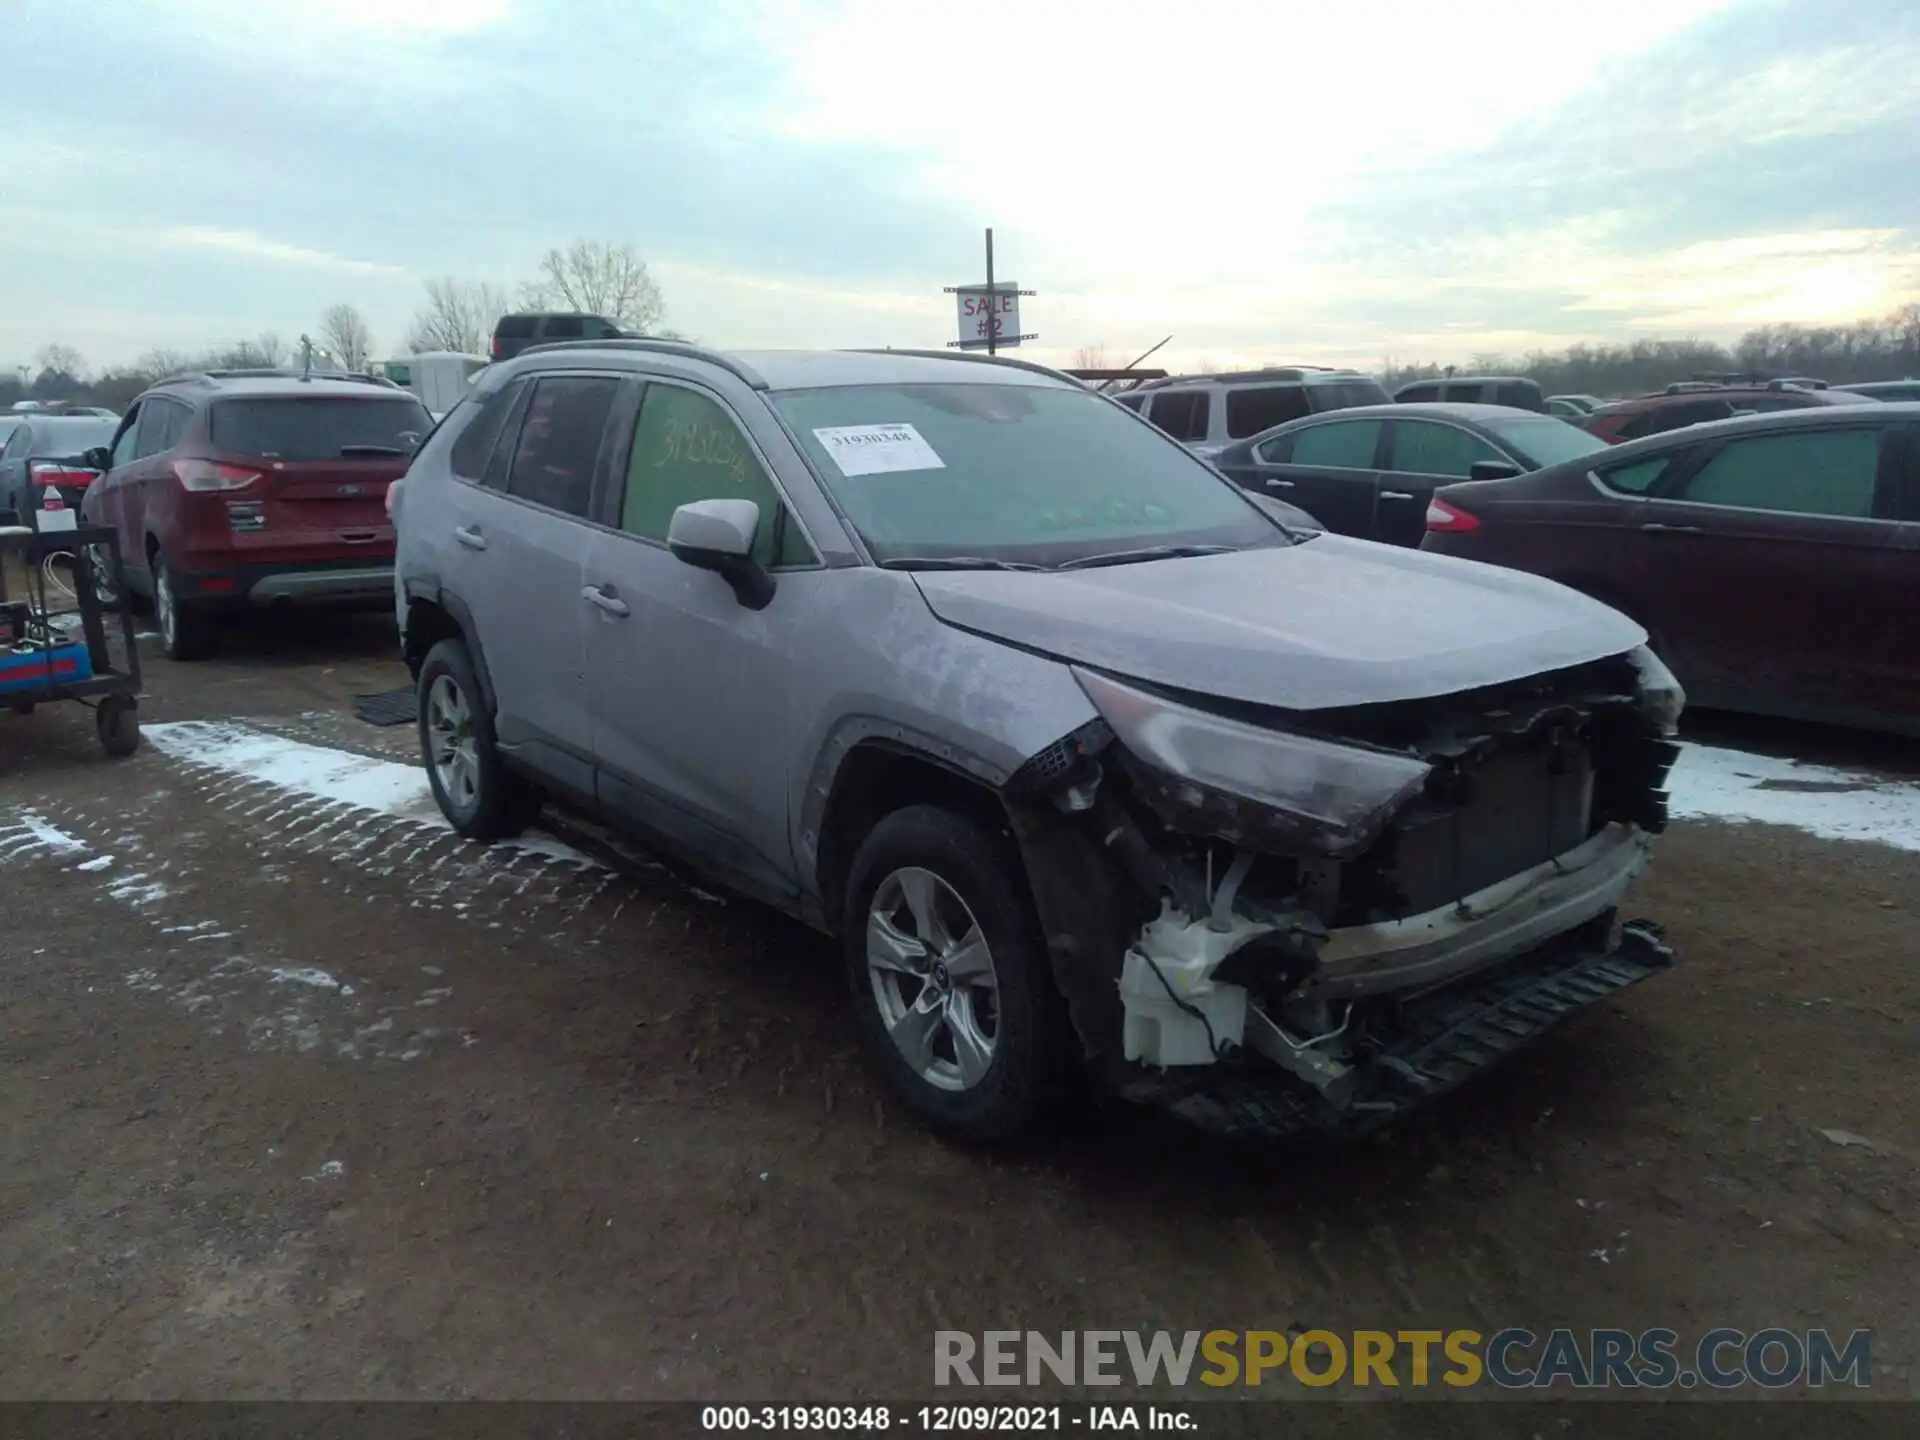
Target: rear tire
{"x": 186, "y": 632}
{"x": 479, "y": 795}
{"x": 107, "y": 591}
{"x": 949, "y": 976}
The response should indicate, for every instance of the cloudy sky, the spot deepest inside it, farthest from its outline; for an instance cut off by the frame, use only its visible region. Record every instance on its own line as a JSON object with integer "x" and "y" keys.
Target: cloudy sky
{"x": 1334, "y": 181}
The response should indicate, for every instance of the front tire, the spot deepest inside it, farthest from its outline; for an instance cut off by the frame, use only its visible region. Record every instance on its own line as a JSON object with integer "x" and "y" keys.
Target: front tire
{"x": 186, "y": 632}
{"x": 117, "y": 721}
{"x": 951, "y": 989}
{"x": 480, "y": 797}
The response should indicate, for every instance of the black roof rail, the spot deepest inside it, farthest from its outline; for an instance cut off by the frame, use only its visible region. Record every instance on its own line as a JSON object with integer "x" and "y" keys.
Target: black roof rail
{"x": 211, "y": 377}
{"x": 684, "y": 348}
{"x": 974, "y": 355}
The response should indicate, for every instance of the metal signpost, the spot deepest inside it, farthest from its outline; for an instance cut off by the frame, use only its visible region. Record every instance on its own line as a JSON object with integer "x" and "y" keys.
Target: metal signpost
{"x": 989, "y": 314}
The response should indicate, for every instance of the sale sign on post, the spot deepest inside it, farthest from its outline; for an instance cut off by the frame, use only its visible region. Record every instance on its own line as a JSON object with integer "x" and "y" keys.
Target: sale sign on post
{"x": 981, "y": 312}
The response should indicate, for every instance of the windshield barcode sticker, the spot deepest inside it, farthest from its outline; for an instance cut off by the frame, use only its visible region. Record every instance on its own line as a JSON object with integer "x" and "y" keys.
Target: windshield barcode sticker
{"x": 877, "y": 449}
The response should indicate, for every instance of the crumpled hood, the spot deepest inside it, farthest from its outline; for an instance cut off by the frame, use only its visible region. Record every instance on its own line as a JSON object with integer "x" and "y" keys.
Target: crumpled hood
{"x": 1331, "y": 622}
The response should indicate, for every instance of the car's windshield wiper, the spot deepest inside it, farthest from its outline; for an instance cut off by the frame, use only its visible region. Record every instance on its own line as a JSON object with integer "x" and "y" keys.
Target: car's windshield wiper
{"x": 954, "y": 562}
{"x": 348, "y": 451}
{"x": 1150, "y": 552}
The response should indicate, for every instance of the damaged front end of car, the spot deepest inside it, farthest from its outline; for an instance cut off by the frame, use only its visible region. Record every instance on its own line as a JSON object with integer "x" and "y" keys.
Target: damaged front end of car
{"x": 1274, "y": 921}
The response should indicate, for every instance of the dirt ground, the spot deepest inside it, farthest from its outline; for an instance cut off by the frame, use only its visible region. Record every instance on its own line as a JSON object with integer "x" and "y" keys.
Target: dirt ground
{"x": 297, "y": 1105}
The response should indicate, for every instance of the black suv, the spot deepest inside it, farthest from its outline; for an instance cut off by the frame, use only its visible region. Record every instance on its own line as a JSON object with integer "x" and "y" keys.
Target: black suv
{"x": 515, "y": 333}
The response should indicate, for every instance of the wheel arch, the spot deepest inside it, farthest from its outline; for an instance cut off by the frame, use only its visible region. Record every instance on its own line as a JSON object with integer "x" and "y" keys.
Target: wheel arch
{"x": 876, "y": 776}
{"x": 433, "y": 615}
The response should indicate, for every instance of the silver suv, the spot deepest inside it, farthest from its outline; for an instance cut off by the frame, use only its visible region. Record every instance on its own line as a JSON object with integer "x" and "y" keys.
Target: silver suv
{"x": 1094, "y": 766}
{"x": 1207, "y": 413}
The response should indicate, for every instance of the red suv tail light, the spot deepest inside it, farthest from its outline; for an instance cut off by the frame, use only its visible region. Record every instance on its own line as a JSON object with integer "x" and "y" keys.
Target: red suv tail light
{"x": 210, "y": 475}
{"x": 1449, "y": 519}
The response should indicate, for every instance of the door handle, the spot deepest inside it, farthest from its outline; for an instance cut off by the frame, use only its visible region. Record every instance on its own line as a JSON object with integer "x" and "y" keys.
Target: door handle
{"x": 1654, "y": 527}
{"x": 1395, "y": 495}
{"x": 470, "y": 537}
{"x": 1279, "y": 484}
{"x": 606, "y": 600}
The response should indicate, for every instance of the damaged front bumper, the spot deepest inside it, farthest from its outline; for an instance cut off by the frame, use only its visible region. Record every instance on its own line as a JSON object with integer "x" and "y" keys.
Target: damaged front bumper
{"x": 1346, "y": 927}
{"x": 1503, "y": 919}
{"x": 1442, "y": 1039}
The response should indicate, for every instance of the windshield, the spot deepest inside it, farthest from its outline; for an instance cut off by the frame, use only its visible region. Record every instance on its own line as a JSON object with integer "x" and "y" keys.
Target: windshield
{"x": 72, "y": 435}
{"x": 317, "y": 429}
{"x": 1544, "y": 441}
{"x": 1011, "y": 473}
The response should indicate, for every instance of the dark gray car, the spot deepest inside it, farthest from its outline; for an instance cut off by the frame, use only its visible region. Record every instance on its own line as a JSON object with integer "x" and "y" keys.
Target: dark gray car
{"x": 1369, "y": 472}
{"x": 43, "y": 456}
{"x": 1086, "y": 759}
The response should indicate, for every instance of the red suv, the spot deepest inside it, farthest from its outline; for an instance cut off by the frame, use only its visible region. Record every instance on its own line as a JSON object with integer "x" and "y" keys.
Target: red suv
{"x": 1690, "y": 403}
{"x": 233, "y": 489}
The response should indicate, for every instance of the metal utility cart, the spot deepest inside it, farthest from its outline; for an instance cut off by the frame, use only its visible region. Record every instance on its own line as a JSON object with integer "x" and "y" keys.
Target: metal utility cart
{"x": 61, "y": 650}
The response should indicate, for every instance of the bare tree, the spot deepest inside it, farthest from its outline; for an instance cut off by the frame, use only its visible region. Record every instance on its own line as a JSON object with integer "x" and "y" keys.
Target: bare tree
{"x": 344, "y": 333}
{"x": 459, "y": 315}
{"x": 61, "y": 360}
{"x": 1093, "y": 357}
{"x": 598, "y": 278}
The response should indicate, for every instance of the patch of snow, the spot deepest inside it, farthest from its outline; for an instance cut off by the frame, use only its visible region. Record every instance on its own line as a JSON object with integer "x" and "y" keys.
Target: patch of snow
{"x": 307, "y": 975}
{"x": 1715, "y": 784}
{"x": 316, "y": 770}
{"x": 32, "y": 831}
{"x": 99, "y": 862}
{"x": 134, "y": 893}
{"x": 361, "y": 782}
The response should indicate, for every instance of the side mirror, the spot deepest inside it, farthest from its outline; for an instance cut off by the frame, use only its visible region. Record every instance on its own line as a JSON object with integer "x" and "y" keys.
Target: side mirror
{"x": 98, "y": 458}
{"x": 1493, "y": 470}
{"x": 718, "y": 535}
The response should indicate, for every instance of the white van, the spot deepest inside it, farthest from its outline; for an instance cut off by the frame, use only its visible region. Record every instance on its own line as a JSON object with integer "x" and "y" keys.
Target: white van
{"x": 439, "y": 377}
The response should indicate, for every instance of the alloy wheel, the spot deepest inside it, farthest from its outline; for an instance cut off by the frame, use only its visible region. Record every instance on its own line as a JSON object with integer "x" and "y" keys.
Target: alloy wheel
{"x": 451, "y": 748}
{"x": 163, "y": 606}
{"x": 932, "y": 975}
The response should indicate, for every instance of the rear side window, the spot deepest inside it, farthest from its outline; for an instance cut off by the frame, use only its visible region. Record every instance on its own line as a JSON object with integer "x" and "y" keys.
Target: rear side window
{"x": 562, "y": 327}
{"x": 516, "y": 327}
{"x": 1637, "y": 478}
{"x": 155, "y": 423}
{"x": 1345, "y": 394}
{"x": 1181, "y": 413}
{"x": 1252, "y": 409}
{"x": 1461, "y": 392}
{"x": 1822, "y": 472}
{"x": 559, "y": 443}
{"x": 170, "y": 419}
{"x": 471, "y": 451}
{"x": 1418, "y": 394}
{"x": 317, "y": 429}
{"x": 1132, "y": 402}
{"x": 1424, "y": 447}
{"x": 1523, "y": 397}
{"x": 1346, "y": 444}
{"x": 1662, "y": 418}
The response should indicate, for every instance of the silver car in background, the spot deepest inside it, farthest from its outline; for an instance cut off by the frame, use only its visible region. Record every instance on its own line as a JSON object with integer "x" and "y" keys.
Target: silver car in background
{"x": 1089, "y": 761}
